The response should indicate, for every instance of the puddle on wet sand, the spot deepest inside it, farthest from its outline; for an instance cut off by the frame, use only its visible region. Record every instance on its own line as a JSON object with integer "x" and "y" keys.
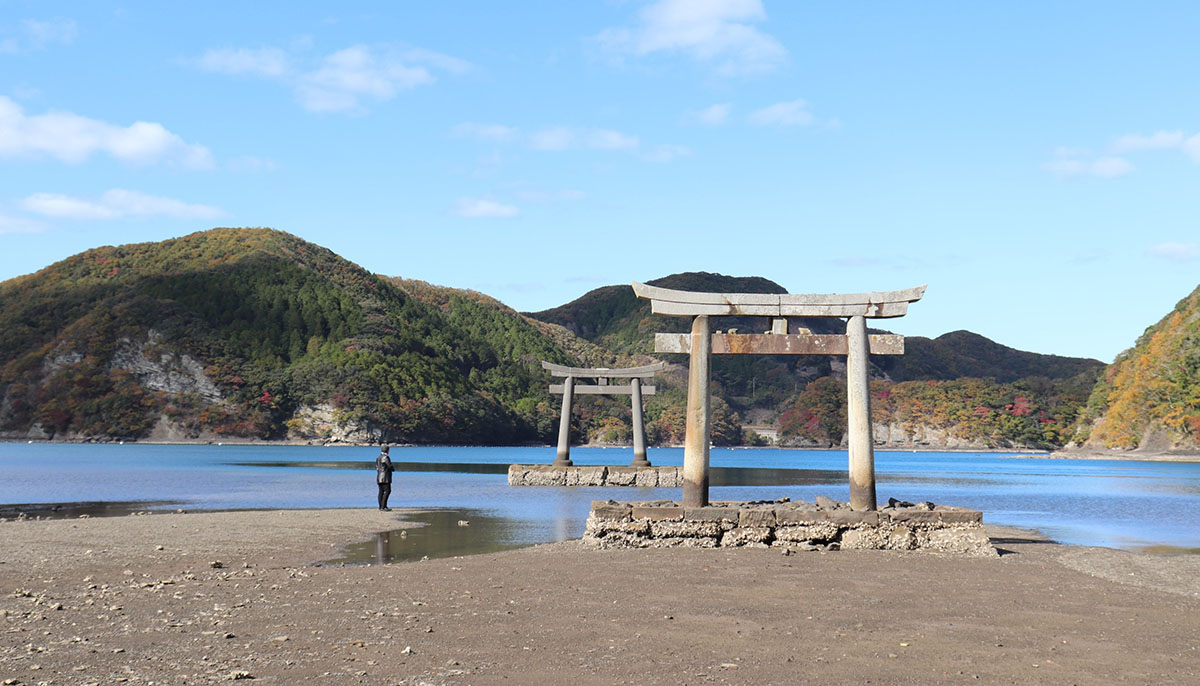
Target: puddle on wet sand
{"x": 441, "y": 535}
{"x": 84, "y": 509}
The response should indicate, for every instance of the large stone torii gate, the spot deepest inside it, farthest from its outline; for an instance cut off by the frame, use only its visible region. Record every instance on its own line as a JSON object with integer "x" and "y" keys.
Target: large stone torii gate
{"x": 602, "y": 375}
{"x": 701, "y": 344}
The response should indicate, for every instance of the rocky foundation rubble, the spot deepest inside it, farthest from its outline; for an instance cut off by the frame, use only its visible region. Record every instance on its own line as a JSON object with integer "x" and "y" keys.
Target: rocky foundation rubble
{"x": 795, "y": 526}
{"x": 547, "y": 475}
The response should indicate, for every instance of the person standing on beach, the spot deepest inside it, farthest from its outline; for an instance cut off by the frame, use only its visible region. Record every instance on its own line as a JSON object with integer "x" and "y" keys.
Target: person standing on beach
{"x": 383, "y": 476}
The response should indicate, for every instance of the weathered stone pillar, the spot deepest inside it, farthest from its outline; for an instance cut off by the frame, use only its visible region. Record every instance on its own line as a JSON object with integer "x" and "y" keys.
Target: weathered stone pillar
{"x": 563, "y": 457}
{"x": 696, "y": 438}
{"x": 639, "y": 427}
{"x": 858, "y": 416}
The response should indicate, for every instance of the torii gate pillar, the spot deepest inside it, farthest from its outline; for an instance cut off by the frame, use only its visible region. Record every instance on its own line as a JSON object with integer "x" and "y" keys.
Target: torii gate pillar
{"x": 698, "y": 432}
{"x": 858, "y": 417}
{"x": 639, "y": 426}
{"x": 562, "y": 457}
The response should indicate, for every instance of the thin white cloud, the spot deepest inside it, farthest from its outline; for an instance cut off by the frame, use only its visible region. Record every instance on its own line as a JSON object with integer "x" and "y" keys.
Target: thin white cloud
{"x": 717, "y": 32}
{"x": 266, "y": 62}
{"x": 355, "y": 73}
{"x": 1109, "y": 167}
{"x": 74, "y": 139}
{"x": 480, "y": 208}
{"x": 793, "y": 113}
{"x": 248, "y": 164}
{"x": 116, "y": 204}
{"x": 1082, "y": 161}
{"x": 1063, "y": 151}
{"x": 714, "y": 115}
{"x": 1176, "y": 252}
{"x": 17, "y": 225}
{"x": 42, "y": 33}
{"x": 557, "y": 138}
{"x": 434, "y": 59}
{"x": 667, "y": 153}
{"x": 1191, "y": 146}
{"x": 1160, "y": 140}
{"x": 341, "y": 81}
{"x": 567, "y": 138}
{"x": 526, "y": 192}
{"x": 484, "y": 132}
{"x": 37, "y": 34}
{"x": 603, "y": 139}
{"x": 1103, "y": 167}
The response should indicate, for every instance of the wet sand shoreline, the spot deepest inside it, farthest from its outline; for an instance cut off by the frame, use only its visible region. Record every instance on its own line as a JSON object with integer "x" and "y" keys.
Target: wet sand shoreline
{"x": 210, "y": 597}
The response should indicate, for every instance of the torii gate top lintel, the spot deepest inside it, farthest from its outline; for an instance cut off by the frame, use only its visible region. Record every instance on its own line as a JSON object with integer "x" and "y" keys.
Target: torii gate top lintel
{"x": 643, "y": 372}
{"x": 876, "y": 305}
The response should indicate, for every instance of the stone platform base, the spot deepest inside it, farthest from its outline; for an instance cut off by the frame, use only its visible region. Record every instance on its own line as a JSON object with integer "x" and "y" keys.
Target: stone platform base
{"x": 825, "y": 525}
{"x": 546, "y": 475}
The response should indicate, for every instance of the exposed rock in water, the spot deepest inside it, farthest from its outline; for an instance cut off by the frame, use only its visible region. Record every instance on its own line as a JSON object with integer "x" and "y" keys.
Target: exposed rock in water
{"x": 327, "y": 423}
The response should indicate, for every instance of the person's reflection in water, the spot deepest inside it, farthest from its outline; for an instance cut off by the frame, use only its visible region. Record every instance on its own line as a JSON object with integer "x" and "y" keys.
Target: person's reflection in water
{"x": 383, "y": 547}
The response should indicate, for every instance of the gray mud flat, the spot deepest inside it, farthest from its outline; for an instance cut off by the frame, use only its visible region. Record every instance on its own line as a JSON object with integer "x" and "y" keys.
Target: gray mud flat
{"x": 215, "y": 597}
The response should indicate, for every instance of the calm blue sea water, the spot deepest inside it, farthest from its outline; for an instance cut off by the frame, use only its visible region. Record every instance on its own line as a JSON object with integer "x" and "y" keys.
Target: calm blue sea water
{"x": 1132, "y": 505}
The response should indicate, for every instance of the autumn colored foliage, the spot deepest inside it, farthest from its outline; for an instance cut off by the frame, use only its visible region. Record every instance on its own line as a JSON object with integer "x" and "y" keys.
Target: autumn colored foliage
{"x": 1154, "y": 387}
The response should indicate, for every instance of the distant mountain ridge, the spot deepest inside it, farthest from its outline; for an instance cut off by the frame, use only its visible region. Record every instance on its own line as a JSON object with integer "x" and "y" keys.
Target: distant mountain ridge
{"x": 960, "y": 390}
{"x": 258, "y": 334}
{"x": 964, "y": 354}
{"x": 613, "y": 316}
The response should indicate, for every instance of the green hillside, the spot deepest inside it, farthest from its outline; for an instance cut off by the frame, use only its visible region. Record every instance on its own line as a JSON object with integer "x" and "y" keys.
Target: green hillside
{"x": 1149, "y": 397}
{"x": 276, "y": 324}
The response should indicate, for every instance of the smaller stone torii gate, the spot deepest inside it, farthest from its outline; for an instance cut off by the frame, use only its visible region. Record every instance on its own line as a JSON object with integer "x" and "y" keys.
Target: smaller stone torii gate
{"x": 568, "y": 389}
{"x": 701, "y": 344}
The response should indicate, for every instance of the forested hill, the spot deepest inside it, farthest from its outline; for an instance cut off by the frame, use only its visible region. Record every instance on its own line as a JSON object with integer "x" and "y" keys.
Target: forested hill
{"x": 613, "y": 317}
{"x": 1149, "y": 397}
{"x": 964, "y": 354}
{"x": 257, "y": 333}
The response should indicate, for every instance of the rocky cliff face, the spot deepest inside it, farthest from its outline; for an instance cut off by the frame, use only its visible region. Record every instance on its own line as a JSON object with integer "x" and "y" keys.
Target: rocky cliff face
{"x": 326, "y": 424}
{"x": 158, "y": 368}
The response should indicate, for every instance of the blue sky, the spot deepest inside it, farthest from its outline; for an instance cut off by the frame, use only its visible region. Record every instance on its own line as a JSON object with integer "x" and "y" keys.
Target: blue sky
{"x": 1037, "y": 164}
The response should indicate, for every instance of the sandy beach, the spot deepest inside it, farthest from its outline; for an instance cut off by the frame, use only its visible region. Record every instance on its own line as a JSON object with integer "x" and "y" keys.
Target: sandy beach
{"x": 214, "y": 597}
